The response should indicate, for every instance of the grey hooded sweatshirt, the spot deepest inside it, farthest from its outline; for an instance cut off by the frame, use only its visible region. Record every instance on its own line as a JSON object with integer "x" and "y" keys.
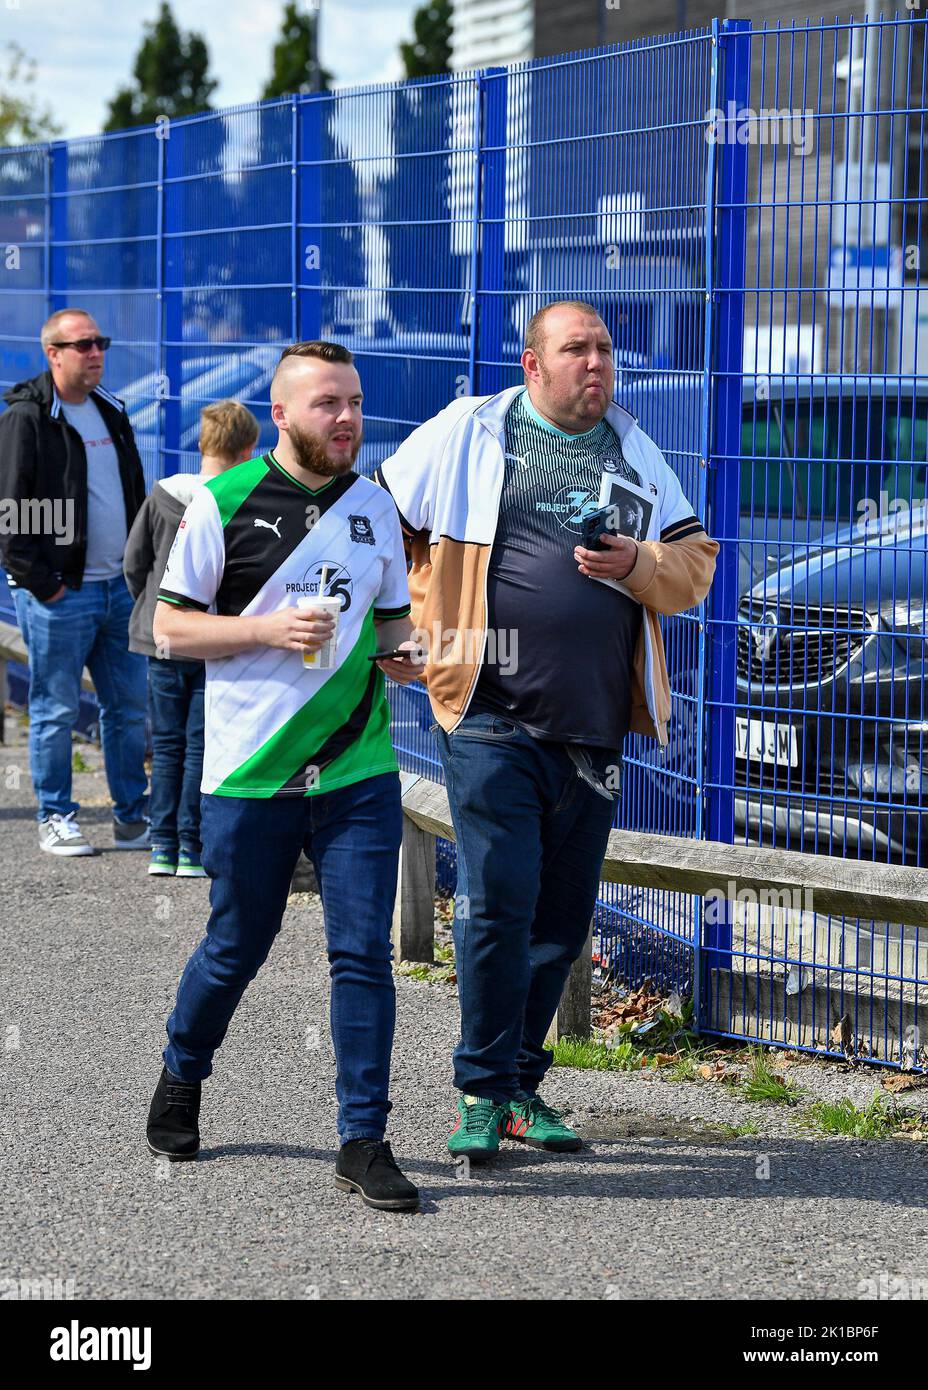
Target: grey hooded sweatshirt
{"x": 147, "y": 550}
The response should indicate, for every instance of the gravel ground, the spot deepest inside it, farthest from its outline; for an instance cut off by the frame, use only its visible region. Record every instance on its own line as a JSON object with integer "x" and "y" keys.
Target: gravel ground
{"x": 659, "y": 1204}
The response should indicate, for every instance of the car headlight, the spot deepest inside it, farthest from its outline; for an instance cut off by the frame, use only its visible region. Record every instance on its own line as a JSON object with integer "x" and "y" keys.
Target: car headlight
{"x": 901, "y": 769}
{"x": 904, "y": 623}
{"x": 905, "y": 618}
{"x": 904, "y": 784}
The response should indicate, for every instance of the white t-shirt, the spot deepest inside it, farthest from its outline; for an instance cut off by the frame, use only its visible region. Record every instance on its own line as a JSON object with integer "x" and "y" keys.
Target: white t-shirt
{"x": 252, "y": 541}
{"x": 106, "y": 506}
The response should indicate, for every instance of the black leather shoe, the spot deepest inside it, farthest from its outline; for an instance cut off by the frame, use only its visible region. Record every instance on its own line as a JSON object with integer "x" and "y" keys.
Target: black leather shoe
{"x": 173, "y": 1130}
{"x": 367, "y": 1166}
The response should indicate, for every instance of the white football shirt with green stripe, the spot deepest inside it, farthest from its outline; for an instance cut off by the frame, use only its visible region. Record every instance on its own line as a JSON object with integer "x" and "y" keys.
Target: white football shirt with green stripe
{"x": 255, "y": 540}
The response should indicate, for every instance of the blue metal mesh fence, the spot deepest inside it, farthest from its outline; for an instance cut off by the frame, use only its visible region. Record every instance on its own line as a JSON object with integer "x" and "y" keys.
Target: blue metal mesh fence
{"x": 744, "y": 207}
{"x": 816, "y": 708}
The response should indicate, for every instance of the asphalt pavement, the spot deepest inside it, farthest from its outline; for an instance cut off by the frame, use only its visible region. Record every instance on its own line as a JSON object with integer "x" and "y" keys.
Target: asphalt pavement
{"x": 659, "y": 1204}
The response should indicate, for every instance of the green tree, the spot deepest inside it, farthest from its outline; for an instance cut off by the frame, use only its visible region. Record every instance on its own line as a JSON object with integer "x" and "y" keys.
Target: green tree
{"x": 21, "y": 121}
{"x": 431, "y": 48}
{"x": 171, "y": 74}
{"x": 296, "y": 56}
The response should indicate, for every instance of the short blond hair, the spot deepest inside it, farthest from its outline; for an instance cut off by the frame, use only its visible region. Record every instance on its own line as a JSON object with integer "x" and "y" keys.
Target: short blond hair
{"x": 50, "y": 326}
{"x": 227, "y": 429}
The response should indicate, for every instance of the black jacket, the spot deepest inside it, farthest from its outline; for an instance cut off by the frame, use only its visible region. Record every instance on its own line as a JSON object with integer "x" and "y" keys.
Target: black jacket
{"x": 43, "y": 457}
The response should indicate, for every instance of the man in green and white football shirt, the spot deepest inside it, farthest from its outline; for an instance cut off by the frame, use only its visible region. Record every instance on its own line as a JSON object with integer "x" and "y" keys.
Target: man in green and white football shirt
{"x": 294, "y": 758}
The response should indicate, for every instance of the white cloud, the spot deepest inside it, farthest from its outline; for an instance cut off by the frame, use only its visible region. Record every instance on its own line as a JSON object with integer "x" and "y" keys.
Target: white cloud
{"x": 85, "y": 56}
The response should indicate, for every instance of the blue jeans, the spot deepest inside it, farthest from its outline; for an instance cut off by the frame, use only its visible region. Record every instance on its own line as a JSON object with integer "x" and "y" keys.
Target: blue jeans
{"x": 85, "y": 627}
{"x": 250, "y": 848}
{"x": 175, "y": 691}
{"x": 531, "y": 838}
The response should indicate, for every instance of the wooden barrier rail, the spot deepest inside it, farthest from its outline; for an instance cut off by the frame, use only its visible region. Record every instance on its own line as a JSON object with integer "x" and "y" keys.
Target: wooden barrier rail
{"x": 885, "y": 892}
{"x": 13, "y": 648}
{"x": 837, "y": 887}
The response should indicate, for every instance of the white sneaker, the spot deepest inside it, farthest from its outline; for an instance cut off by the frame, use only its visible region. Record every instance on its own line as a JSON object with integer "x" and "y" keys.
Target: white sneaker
{"x": 62, "y": 835}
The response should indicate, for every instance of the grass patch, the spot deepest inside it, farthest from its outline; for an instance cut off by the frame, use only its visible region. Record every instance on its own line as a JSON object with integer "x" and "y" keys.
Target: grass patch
{"x": 686, "y": 1065}
{"x": 420, "y": 971}
{"x": 440, "y": 971}
{"x": 878, "y": 1120}
{"x": 655, "y": 1040}
{"x": 589, "y": 1055}
{"x": 431, "y": 974}
{"x": 79, "y": 762}
{"x": 660, "y": 1030}
{"x": 741, "y": 1131}
{"x": 592, "y": 1054}
{"x": 763, "y": 1085}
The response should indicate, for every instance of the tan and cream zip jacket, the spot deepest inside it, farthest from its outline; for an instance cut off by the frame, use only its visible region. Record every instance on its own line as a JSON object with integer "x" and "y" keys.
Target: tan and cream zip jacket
{"x": 446, "y": 479}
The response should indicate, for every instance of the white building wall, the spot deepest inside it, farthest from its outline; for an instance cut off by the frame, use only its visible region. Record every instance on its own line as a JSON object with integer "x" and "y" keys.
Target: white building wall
{"x": 489, "y": 32}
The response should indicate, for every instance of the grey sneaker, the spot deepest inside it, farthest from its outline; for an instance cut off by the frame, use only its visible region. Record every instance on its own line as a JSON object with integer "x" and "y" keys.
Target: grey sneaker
{"x": 134, "y": 834}
{"x": 62, "y": 835}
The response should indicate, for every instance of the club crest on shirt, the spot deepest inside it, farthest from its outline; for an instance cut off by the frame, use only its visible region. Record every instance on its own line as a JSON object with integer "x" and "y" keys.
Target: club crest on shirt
{"x": 362, "y": 532}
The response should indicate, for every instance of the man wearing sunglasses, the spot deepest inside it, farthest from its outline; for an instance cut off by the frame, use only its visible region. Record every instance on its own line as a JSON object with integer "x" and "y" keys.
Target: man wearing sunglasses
{"x": 69, "y": 464}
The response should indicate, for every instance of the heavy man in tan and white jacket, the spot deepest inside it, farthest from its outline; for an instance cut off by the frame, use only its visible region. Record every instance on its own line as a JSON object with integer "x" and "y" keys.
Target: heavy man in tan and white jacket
{"x": 535, "y": 674}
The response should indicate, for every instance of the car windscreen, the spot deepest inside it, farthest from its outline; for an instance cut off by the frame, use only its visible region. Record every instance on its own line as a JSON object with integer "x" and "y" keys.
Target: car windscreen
{"x": 829, "y": 460}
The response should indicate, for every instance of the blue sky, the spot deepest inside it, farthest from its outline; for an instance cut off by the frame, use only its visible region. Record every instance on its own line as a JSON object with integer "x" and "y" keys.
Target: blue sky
{"x": 85, "y": 52}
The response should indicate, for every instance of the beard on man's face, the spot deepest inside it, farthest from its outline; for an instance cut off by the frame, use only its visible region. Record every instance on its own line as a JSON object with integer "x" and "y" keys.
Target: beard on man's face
{"x": 309, "y": 449}
{"x": 570, "y": 402}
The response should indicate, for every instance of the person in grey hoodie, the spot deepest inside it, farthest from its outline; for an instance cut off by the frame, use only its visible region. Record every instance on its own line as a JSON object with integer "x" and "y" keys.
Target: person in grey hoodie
{"x": 228, "y": 436}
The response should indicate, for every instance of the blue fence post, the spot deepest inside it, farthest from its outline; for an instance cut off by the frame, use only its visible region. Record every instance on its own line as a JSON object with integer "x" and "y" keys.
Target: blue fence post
{"x": 295, "y": 219}
{"x": 47, "y": 234}
{"x": 722, "y": 422}
{"x": 159, "y": 298}
{"x": 311, "y": 147}
{"x": 57, "y": 292}
{"x": 172, "y": 310}
{"x": 488, "y": 305}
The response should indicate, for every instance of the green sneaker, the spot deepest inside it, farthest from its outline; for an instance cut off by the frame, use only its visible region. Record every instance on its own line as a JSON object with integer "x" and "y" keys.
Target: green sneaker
{"x": 163, "y": 861}
{"x": 532, "y": 1122}
{"x": 189, "y": 866}
{"x": 479, "y": 1128}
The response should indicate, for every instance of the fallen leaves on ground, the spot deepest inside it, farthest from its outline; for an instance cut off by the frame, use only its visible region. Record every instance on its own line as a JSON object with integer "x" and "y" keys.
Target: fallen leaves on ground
{"x": 903, "y": 1082}
{"x": 444, "y": 909}
{"x": 842, "y": 1035}
{"x": 638, "y": 1005}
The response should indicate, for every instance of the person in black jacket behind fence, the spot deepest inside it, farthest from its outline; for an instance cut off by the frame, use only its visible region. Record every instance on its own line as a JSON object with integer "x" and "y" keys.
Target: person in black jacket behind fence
{"x": 228, "y": 435}
{"x": 71, "y": 483}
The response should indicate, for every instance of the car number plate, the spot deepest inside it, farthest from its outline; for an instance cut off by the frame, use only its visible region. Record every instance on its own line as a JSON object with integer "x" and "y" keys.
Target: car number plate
{"x": 763, "y": 740}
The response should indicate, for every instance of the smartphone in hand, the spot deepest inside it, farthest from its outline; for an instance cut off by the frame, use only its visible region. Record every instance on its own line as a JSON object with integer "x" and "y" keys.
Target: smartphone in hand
{"x": 593, "y": 524}
{"x": 407, "y": 652}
